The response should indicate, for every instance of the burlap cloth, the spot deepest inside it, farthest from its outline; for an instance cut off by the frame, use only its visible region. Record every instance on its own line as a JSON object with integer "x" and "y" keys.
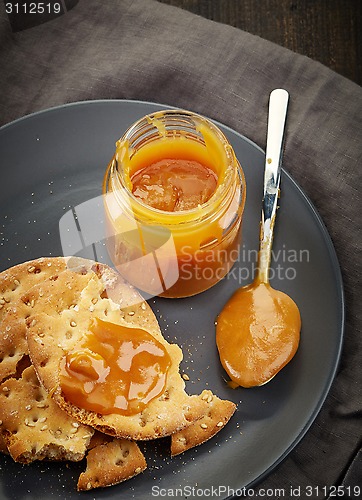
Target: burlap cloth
{"x": 140, "y": 49}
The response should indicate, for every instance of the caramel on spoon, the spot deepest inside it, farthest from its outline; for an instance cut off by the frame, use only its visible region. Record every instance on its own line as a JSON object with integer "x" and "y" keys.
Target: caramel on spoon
{"x": 257, "y": 332}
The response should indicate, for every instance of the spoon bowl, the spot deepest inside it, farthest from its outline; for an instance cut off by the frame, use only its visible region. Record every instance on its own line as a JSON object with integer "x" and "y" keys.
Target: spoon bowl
{"x": 257, "y": 334}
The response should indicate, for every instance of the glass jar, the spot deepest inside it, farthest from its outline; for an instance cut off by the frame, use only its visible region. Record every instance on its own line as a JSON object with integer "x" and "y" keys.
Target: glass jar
{"x": 173, "y": 254}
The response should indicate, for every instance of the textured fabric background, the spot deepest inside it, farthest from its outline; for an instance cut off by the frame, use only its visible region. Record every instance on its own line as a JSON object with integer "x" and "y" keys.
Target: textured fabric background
{"x": 140, "y": 49}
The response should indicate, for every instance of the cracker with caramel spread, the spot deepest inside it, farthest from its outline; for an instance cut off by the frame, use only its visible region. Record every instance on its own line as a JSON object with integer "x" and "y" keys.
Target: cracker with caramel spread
{"x": 45, "y": 310}
{"x": 56, "y": 329}
{"x": 32, "y": 426}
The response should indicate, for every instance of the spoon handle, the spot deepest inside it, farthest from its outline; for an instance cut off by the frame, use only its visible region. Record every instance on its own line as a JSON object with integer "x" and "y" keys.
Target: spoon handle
{"x": 278, "y": 104}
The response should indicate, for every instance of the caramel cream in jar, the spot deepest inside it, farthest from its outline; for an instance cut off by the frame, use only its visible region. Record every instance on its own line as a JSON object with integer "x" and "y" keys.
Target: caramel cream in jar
{"x": 174, "y": 196}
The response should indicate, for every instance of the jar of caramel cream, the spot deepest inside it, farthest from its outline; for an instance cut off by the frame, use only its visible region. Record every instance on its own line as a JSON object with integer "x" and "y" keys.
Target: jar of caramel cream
{"x": 174, "y": 195}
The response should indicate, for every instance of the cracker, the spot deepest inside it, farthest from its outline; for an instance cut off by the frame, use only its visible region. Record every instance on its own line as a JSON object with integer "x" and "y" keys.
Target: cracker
{"x": 56, "y": 328}
{"x": 13, "y": 345}
{"x": 14, "y": 282}
{"x": 111, "y": 463}
{"x": 34, "y": 427}
{"x": 97, "y": 439}
{"x": 219, "y": 413}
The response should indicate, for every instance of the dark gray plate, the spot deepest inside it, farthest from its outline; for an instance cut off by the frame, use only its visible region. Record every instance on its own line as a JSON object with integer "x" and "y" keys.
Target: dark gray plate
{"x": 53, "y": 160}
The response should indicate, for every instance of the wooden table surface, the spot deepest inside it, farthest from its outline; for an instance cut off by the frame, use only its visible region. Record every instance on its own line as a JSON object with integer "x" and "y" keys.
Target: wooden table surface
{"x": 328, "y": 31}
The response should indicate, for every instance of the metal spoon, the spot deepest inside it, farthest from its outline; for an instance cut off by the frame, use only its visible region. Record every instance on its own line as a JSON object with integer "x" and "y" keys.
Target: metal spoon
{"x": 258, "y": 330}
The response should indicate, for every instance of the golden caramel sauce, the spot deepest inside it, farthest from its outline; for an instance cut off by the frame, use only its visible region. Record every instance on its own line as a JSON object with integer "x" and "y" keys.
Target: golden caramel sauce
{"x": 197, "y": 199}
{"x": 117, "y": 369}
{"x": 173, "y": 185}
{"x": 257, "y": 334}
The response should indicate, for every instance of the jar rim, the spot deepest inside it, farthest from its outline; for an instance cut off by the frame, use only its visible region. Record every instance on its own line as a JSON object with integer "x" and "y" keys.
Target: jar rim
{"x": 201, "y": 211}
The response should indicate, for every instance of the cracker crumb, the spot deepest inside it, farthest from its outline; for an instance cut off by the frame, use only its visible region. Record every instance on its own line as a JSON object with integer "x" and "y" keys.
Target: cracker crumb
{"x": 185, "y": 376}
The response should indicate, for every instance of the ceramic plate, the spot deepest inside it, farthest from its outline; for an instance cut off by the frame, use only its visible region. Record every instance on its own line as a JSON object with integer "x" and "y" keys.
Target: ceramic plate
{"x": 54, "y": 160}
